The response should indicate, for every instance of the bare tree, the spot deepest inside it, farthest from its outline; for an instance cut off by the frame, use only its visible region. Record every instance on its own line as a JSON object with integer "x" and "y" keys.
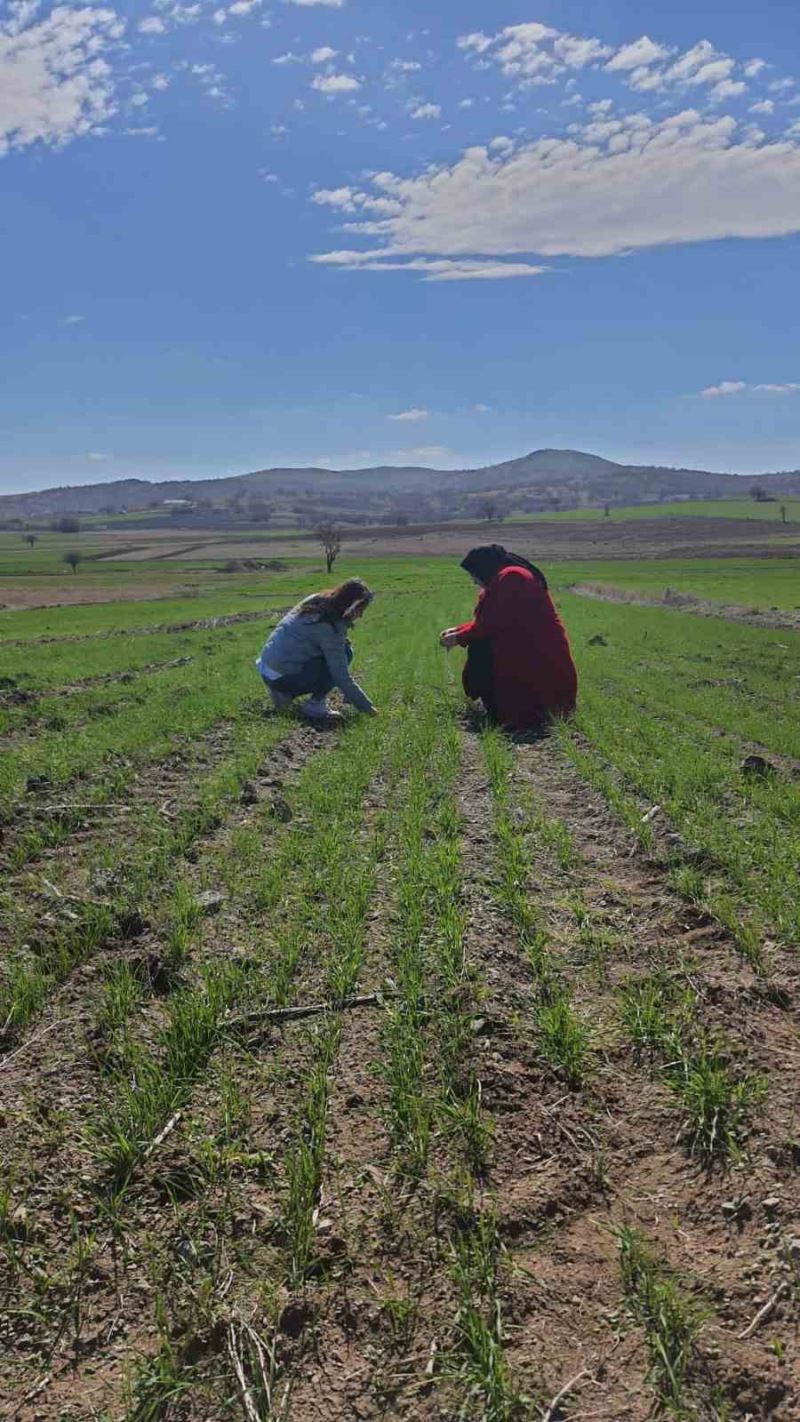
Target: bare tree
{"x": 72, "y": 560}
{"x": 330, "y": 536}
{"x": 260, "y": 510}
{"x": 492, "y": 510}
{"x": 30, "y": 538}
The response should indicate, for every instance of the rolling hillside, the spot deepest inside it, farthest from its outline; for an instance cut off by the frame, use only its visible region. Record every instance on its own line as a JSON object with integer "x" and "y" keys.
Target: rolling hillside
{"x": 548, "y": 477}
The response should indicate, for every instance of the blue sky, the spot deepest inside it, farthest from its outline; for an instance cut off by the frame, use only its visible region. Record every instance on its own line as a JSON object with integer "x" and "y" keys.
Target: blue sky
{"x": 270, "y": 232}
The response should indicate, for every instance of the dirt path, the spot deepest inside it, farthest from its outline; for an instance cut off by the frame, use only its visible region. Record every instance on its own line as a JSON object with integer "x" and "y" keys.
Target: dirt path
{"x": 687, "y": 602}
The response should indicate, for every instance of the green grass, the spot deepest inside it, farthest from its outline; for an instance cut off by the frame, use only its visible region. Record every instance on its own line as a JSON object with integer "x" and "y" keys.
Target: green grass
{"x": 361, "y": 885}
{"x": 746, "y": 508}
{"x": 670, "y": 1318}
{"x": 759, "y": 583}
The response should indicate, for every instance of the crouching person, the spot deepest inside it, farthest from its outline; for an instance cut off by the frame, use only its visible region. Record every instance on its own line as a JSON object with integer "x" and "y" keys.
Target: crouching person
{"x": 309, "y": 652}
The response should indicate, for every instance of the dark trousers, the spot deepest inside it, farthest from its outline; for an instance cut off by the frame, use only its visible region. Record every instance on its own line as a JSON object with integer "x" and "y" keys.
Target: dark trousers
{"x": 314, "y": 679}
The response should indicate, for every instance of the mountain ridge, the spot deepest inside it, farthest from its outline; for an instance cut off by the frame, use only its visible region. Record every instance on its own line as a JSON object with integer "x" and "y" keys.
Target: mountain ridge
{"x": 568, "y": 475}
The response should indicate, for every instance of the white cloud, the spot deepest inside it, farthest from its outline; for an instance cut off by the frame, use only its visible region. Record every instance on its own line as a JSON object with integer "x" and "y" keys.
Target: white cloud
{"x": 640, "y": 52}
{"x": 725, "y": 387}
{"x": 728, "y": 89}
{"x": 410, "y": 416}
{"x": 152, "y": 25}
{"x": 243, "y": 7}
{"x": 576, "y": 52}
{"x": 405, "y": 66}
{"x": 73, "y": 320}
{"x": 433, "y": 269}
{"x": 754, "y": 67}
{"x": 323, "y": 54}
{"x": 765, "y": 106}
{"x": 335, "y": 83}
{"x": 96, "y": 457}
{"x": 186, "y": 14}
{"x": 684, "y": 178}
{"x": 308, "y": 4}
{"x": 476, "y": 43}
{"x": 425, "y": 111}
{"x": 54, "y": 83}
{"x": 740, "y": 387}
{"x": 289, "y": 58}
{"x": 482, "y": 409}
{"x": 346, "y": 199}
{"x": 534, "y": 53}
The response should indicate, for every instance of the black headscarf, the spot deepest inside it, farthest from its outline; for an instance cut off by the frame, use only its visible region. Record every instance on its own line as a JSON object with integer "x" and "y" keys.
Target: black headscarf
{"x": 486, "y": 562}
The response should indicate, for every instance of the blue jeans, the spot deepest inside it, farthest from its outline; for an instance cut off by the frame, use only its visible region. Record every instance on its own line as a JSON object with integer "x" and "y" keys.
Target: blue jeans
{"x": 314, "y": 679}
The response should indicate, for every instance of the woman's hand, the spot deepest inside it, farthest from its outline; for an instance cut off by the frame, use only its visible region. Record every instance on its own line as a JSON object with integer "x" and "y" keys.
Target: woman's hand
{"x": 449, "y": 638}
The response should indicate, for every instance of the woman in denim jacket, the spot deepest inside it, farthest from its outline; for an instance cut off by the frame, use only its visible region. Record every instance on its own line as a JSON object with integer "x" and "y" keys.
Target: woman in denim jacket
{"x": 309, "y": 653}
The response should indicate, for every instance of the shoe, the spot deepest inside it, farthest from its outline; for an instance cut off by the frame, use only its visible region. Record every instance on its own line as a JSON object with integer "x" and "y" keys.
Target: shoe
{"x": 319, "y": 710}
{"x": 280, "y": 699}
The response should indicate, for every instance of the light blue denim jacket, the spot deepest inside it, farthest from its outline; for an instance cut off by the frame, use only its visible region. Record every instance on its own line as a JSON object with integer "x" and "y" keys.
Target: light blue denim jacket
{"x": 297, "y": 640}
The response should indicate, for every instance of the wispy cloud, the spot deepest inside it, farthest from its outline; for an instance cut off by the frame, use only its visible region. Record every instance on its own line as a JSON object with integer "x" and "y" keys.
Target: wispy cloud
{"x": 425, "y": 111}
{"x": 410, "y": 416}
{"x": 725, "y": 387}
{"x": 73, "y": 320}
{"x": 432, "y": 269}
{"x": 741, "y": 387}
{"x": 421, "y": 453}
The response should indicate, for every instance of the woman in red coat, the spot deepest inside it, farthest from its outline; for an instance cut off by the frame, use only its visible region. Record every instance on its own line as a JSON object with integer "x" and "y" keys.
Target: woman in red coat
{"x": 518, "y": 658}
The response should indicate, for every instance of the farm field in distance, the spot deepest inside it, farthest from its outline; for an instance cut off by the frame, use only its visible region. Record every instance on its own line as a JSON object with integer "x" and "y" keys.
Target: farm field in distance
{"x": 766, "y": 510}
{"x": 403, "y": 1071}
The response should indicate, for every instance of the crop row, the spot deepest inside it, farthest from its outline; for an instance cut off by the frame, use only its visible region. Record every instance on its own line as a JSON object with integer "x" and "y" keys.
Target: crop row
{"x": 41, "y": 955}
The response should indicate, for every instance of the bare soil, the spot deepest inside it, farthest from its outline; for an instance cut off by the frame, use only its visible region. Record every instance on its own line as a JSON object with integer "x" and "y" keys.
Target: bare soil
{"x": 22, "y": 597}
{"x": 654, "y": 538}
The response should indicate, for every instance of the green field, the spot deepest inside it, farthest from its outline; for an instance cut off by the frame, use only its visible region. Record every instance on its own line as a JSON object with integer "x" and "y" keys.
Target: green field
{"x": 402, "y": 1070}
{"x": 762, "y": 583}
{"x": 688, "y": 508}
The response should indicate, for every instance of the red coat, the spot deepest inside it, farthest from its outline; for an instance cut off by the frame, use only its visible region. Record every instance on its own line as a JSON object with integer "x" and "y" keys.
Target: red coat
{"x": 532, "y": 670}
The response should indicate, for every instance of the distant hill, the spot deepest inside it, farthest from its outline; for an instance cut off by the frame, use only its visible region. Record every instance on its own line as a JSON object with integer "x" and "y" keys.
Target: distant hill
{"x": 546, "y": 478}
